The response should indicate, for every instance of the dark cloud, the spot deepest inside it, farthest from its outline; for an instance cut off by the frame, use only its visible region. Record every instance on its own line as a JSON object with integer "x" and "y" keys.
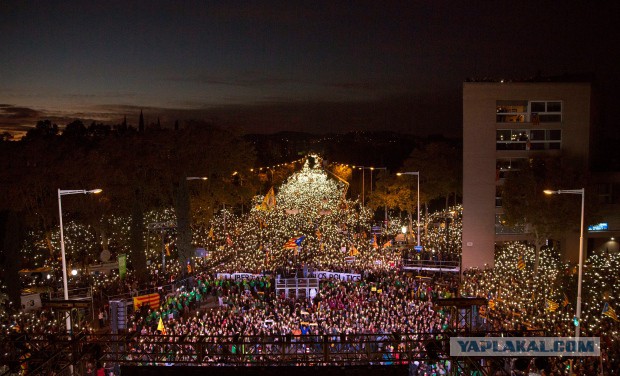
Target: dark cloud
{"x": 17, "y": 120}
{"x": 12, "y": 112}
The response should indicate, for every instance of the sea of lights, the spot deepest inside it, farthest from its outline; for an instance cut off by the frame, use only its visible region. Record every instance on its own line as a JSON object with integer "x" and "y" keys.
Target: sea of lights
{"x": 310, "y": 204}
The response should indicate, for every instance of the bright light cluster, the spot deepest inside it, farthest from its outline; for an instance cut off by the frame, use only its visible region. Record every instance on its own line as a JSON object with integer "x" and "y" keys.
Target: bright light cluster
{"x": 308, "y": 204}
{"x": 601, "y": 282}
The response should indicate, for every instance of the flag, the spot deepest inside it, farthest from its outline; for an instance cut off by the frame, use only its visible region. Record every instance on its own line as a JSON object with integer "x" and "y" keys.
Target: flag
{"x": 353, "y": 251}
{"x": 152, "y": 300}
{"x": 565, "y": 302}
{"x": 318, "y": 234}
{"x": 161, "y": 327}
{"x": 167, "y": 249}
{"x": 374, "y": 242}
{"x": 387, "y": 244}
{"x": 521, "y": 263}
{"x": 550, "y": 305}
{"x": 211, "y": 235}
{"x": 229, "y": 240}
{"x": 293, "y": 243}
{"x": 491, "y": 304}
{"x": 609, "y": 312}
{"x": 269, "y": 202}
{"x": 122, "y": 265}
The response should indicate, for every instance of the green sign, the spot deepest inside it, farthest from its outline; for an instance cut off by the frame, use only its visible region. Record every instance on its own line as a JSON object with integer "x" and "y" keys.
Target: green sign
{"x": 122, "y": 265}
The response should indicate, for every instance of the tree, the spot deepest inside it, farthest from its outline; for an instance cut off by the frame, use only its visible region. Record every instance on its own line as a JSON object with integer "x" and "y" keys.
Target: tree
{"x": 387, "y": 193}
{"x": 75, "y": 129}
{"x": 440, "y": 166}
{"x": 43, "y": 129}
{"x": 524, "y": 202}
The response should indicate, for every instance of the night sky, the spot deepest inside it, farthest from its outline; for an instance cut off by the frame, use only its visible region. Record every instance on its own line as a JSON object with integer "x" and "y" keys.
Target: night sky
{"x": 315, "y": 66}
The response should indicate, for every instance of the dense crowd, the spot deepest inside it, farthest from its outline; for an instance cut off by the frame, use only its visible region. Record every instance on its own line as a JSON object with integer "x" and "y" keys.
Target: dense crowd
{"x": 386, "y": 307}
{"x": 387, "y": 314}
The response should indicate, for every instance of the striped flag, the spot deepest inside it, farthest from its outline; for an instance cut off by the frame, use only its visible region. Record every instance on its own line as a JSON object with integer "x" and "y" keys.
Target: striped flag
{"x": 293, "y": 243}
{"x": 565, "y": 302}
{"x": 609, "y": 312}
{"x": 161, "y": 327}
{"x": 521, "y": 263}
{"x": 551, "y": 306}
{"x": 491, "y": 304}
{"x": 152, "y": 300}
{"x": 353, "y": 251}
{"x": 269, "y": 202}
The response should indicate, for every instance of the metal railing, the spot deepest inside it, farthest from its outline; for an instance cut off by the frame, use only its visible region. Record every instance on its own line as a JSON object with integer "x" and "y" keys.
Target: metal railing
{"x": 431, "y": 265}
{"x": 302, "y": 350}
{"x": 47, "y": 354}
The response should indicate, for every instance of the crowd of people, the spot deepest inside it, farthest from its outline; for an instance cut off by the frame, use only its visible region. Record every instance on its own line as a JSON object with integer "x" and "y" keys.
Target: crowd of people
{"x": 387, "y": 307}
{"x": 386, "y": 315}
{"x": 248, "y": 320}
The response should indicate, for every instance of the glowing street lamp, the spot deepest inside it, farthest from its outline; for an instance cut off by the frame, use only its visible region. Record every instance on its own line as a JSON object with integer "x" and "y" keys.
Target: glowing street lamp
{"x": 364, "y": 168}
{"x": 581, "y": 192}
{"x": 65, "y": 287}
{"x": 416, "y": 173}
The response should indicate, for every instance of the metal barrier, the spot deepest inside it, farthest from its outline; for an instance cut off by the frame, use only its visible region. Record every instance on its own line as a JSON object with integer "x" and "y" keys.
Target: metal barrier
{"x": 303, "y": 350}
{"x": 432, "y": 265}
{"x": 300, "y": 286}
{"x": 56, "y": 353}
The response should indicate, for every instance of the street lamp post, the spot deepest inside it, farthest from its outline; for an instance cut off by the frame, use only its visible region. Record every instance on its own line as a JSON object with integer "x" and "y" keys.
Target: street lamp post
{"x": 363, "y": 182}
{"x": 416, "y": 173}
{"x": 65, "y": 285}
{"x": 581, "y": 192}
{"x": 364, "y": 168}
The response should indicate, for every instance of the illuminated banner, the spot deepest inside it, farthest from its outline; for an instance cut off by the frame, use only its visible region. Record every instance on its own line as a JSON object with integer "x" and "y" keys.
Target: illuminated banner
{"x": 339, "y": 276}
{"x": 237, "y": 276}
{"x": 152, "y": 300}
{"x": 525, "y": 346}
{"x": 122, "y": 265}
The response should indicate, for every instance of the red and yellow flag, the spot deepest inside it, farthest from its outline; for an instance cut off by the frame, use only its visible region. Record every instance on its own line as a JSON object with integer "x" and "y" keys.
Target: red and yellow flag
{"x": 269, "y": 202}
{"x": 161, "y": 327}
{"x": 152, "y": 300}
{"x": 353, "y": 251}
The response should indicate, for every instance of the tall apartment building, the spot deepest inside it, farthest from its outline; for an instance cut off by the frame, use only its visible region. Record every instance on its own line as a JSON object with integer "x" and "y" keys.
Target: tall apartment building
{"x": 505, "y": 124}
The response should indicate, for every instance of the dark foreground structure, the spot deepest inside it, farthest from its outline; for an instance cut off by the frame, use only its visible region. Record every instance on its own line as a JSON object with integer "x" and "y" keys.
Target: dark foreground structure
{"x": 266, "y": 371}
{"x": 132, "y": 354}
